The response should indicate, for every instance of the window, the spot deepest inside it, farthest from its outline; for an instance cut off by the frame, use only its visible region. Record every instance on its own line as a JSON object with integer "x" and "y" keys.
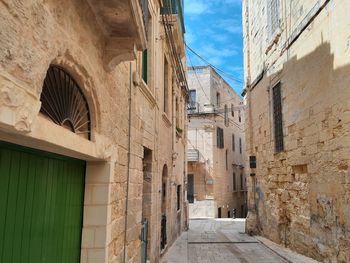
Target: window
{"x": 232, "y": 110}
{"x": 226, "y": 159}
{"x": 217, "y": 99}
{"x": 190, "y": 188}
{"x": 233, "y": 143}
{"x": 166, "y": 85}
{"x": 145, "y": 65}
{"x": 220, "y": 137}
{"x": 192, "y": 102}
{"x": 277, "y": 118}
{"x": 226, "y": 116}
{"x": 178, "y": 194}
{"x": 241, "y": 177}
{"x": 234, "y": 182}
{"x": 193, "y": 96}
{"x": 239, "y": 116}
{"x": 240, "y": 145}
{"x": 273, "y": 22}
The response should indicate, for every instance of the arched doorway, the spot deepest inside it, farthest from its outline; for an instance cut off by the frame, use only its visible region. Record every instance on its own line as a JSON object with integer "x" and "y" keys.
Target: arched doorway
{"x": 163, "y": 232}
{"x": 42, "y": 194}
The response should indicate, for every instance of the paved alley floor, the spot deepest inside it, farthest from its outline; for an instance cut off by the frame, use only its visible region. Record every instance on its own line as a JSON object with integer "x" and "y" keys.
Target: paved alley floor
{"x": 222, "y": 241}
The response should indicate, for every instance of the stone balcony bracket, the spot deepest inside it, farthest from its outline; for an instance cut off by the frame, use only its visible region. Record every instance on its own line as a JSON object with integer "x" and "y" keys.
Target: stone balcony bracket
{"x": 121, "y": 21}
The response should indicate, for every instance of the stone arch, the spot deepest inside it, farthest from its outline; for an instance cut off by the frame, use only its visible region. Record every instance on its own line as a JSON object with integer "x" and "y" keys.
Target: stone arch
{"x": 164, "y": 199}
{"x": 87, "y": 85}
{"x": 164, "y": 188}
{"x": 63, "y": 101}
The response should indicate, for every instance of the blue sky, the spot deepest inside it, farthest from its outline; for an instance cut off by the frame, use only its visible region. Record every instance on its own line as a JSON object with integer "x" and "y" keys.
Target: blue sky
{"x": 214, "y": 31}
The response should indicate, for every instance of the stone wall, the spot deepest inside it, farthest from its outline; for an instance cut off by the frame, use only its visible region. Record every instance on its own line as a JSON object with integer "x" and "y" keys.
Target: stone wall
{"x": 35, "y": 34}
{"x": 299, "y": 196}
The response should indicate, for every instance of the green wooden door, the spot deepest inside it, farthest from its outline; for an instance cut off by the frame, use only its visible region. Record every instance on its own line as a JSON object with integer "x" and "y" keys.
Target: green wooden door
{"x": 41, "y": 206}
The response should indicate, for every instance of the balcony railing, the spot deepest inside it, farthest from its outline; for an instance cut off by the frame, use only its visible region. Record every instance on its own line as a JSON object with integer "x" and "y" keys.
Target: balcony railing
{"x": 192, "y": 108}
{"x": 196, "y": 108}
{"x": 176, "y": 7}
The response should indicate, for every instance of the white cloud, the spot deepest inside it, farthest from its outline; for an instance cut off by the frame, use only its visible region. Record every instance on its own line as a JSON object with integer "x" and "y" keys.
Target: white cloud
{"x": 230, "y": 25}
{"x": 196, "y": 7}
{"x": 190, "y": 38}
{"x": 216, "y": 55}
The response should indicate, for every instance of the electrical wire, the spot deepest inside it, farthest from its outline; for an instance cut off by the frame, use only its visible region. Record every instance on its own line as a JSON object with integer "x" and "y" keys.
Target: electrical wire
{"x": 200, "y": 85}
{"x": 228, "y": 75}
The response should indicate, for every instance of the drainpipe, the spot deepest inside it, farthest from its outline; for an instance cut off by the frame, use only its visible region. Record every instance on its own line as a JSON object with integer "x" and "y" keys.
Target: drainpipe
{"x": 128, "y": 167}
{"x": 184, "y": 189}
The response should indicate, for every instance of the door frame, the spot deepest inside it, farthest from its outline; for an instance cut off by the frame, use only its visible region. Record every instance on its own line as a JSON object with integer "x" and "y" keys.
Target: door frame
{"x": 97, "y": 219}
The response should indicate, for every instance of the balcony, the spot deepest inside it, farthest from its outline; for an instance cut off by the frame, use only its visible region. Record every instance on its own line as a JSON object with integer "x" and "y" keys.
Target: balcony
{"x": 192, "y": 108}
{"x": 195, "y": 108}
{"x": 123, "y": 24}
{"x": 174, "y": 13}
{"x": 192, "y": 155}
{"x": 176, "y": 8}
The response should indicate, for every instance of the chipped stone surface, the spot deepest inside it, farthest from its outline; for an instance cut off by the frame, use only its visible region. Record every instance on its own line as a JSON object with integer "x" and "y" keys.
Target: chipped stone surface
{"x": 299, "y": 196}
{"x": 35, "y": 34}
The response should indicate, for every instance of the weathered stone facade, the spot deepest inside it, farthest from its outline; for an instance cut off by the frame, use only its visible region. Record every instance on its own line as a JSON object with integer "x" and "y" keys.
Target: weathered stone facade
{"x": 132, "y": 138}
{"x": 299, "y": 195}
{"x": 217, "y": 170}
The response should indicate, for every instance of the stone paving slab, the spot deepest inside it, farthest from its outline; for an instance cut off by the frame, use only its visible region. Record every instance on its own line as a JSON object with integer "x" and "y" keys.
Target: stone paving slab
{"x": 223, "y": 241}
{"x": 286, "y": 253}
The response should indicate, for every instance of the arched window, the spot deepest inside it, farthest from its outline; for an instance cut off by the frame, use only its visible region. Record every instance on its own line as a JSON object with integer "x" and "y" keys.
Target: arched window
{"x": 64, "y": 103}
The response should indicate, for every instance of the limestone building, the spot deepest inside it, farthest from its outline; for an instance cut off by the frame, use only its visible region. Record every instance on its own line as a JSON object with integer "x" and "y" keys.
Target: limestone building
{"x": 297, "y": 77}
{"x": 92, "y": 130}
{"x": 216, "y": 177}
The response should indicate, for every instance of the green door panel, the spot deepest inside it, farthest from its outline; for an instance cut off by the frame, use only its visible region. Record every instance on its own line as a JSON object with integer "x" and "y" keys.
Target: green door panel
{"x": 41, "y": 206}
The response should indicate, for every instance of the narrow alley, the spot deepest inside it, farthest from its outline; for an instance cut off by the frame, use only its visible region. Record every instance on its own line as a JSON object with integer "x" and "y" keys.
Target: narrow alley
{"x": 224, "y": 241}
{"x": 174, "y": 131}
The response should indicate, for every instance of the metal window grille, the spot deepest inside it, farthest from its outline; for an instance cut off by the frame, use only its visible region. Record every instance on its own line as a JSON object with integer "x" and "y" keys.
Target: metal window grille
{"x": 277, "y": 117}
{"x": 232, "y": 110}
{"x": 64, "y": 103}
{"x": 226, "y": 116}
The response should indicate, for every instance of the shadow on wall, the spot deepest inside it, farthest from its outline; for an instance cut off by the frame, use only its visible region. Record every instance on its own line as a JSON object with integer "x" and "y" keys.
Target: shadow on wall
{"x": 302, "y": 194}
